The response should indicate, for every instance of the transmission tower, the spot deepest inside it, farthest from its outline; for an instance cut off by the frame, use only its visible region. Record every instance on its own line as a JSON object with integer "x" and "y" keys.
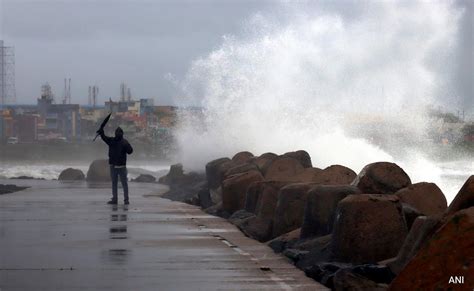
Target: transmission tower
{"x": 93, "y": 95}
{"x": 67, "y": 91}
{"x": 122, "y": 91}
{"x": 7, "y": 75}
{"x": 90, "y": 96}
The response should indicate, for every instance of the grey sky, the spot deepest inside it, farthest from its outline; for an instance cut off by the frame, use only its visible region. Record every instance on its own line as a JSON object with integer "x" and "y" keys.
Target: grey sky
{"x": 105, "y": 42}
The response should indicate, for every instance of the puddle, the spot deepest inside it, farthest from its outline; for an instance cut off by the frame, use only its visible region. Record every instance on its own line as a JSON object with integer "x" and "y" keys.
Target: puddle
{"x": 116, "y": 256}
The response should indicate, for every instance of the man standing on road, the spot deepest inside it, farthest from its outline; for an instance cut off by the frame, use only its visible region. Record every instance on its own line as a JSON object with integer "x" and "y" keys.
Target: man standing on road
{"x": 118, "y": 150}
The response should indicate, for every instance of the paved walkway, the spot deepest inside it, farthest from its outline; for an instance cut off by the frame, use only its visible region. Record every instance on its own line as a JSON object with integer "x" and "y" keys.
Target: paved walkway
{"x": 57, "y": 236}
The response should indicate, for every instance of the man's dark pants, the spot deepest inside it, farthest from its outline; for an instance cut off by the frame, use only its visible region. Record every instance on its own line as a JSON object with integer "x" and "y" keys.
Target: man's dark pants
{"x": 115, "y": 173}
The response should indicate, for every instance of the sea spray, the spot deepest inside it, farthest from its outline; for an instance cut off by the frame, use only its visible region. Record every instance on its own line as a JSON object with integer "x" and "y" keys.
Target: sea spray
{"x": 349, "y": 90}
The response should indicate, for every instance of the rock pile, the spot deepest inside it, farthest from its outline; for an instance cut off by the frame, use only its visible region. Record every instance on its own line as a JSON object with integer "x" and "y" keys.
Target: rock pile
{"x": 372, "y": 230}
{"x": 184, "y": 187}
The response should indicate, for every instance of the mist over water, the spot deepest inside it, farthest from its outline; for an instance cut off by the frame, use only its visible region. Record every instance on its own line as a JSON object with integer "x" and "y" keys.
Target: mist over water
{"x": 321, "y": 81}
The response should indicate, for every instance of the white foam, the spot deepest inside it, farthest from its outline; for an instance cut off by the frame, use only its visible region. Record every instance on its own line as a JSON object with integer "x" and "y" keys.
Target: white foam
{"x": 303, "y": 83}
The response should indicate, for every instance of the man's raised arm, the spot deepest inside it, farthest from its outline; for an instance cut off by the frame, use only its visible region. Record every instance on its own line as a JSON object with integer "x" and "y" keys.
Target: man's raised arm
{"x": 105, "y": 138}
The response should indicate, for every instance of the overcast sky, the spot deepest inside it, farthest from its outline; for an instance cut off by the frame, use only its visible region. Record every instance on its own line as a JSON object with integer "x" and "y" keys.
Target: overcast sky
{"x": 141, "y": 43}
{"x": 107, "y": 42}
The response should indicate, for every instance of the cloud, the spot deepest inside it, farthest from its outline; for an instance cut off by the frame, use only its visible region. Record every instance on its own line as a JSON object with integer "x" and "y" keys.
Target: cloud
{"x": 107, "y": 42}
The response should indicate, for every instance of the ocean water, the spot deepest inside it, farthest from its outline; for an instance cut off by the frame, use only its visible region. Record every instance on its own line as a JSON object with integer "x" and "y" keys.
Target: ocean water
{"x": 452, "y": 176}
{"x": 51, "y": 170}
{"x": 449, "y": 176}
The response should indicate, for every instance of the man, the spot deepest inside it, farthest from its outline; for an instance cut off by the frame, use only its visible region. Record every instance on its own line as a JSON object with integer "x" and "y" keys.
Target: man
{"x": 118, "y": 150}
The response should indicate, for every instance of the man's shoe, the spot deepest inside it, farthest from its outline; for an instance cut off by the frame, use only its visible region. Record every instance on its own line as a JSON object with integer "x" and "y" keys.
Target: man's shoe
{"x": 112, "y": 202}
{"x": 126, "y": 202}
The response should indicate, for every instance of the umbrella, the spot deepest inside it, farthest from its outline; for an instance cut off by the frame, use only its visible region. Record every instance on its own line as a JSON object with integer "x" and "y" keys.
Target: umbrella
{"x": 103, "y": 124}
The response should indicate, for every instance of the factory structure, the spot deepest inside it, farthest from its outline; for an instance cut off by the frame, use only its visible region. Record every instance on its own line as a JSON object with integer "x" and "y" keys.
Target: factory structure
{"x": 51, "y": 120}
{"x": 59, "y": 119}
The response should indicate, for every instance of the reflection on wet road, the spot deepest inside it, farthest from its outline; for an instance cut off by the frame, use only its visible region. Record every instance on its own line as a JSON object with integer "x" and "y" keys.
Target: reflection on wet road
{"x": 118, "y": 231}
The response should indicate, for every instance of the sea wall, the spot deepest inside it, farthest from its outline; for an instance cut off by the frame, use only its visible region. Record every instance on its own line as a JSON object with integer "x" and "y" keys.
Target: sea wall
{"x": 350, "y": 231}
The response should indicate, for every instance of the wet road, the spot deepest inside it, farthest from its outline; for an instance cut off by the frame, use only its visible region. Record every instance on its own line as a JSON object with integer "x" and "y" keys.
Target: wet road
{"x": 57, "y": 236}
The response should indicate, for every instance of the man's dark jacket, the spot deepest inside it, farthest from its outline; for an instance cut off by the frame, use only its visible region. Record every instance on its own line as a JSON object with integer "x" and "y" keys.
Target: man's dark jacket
{"x": 118, "y": 149}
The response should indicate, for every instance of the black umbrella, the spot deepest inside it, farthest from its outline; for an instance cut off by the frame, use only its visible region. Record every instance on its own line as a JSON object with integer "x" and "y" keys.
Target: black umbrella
{"x": 103, "y": 124}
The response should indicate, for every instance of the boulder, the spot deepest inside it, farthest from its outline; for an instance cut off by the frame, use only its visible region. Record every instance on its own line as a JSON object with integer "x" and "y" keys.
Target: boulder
{"x": 421, "y": 231}
{"x": 241, "y": 168}
{"x": 261, "y": 226}
{"x": 193, "y": 200}
{"x": 294, "y": 254}
{"x": 204, "y": 197}
{"x": 145, "y": 178}
{"x": 216, "y": 195}
{"x": 253, "y": 193}
{"x": 319, "y": 251}
{"x": 324, "y": 272}
{"x": 175, "y": 176}
{"x": 217, "y": 210}
{"x": 341, "y": 276}
{"x": 242, "y": 157}
{"x": 447, "y": 254}
{"x": 240, "y": 215}
{"x": 187, "y": 189}
{"x": 336, "y": 175}
{"x": 313, "y": 243}
{"x": 215, "y": 171}
{"x": 258, "y": 228}
{"x": 268, "y": 198}
{"x": 374, "y": 272}
{"x": 368, "y": 228}
{"x": 264, "y": 161}
{"x": 333, "y": 175}
{"x": 427, "y": 198}
{"x": 99, "y": 171}
{"x": 285, "y": 241}
{"x": 253, "y": 199}
{"x": 320, "y": 209}
{"x": 71, "y": 174}
{"x": 283, "y": 169}
{"x": 381, "y": 178}
{"x": 308, "y": 175}
{"x": 464, "y": 199}
{"x": 346, "y": 279}
{"x": 410, "y": 214}
{"x": 290, "y": 208}
{"x": 302, "y": 156}
{"x": 234, "y": 190}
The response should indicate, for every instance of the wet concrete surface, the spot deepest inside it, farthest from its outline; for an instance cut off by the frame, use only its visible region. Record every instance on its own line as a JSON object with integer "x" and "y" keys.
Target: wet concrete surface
{"x": 62, "y": 236}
